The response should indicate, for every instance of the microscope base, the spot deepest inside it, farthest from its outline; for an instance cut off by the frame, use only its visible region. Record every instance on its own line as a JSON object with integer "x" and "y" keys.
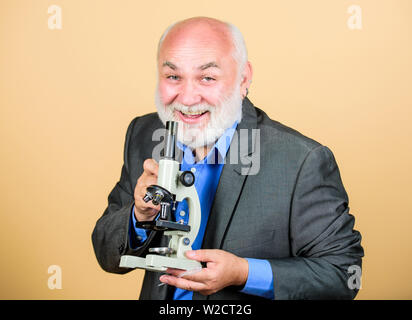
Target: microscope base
{"x": 158, "y": 263}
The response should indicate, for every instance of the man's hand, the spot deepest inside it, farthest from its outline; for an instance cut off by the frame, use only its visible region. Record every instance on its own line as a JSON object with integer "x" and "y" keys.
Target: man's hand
{"x": 223, "y": 269}
{"x": 146, "y": 211}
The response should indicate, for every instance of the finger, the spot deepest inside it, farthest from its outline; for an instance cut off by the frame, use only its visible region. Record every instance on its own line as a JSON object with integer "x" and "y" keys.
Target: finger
{"x": 204, "y": 255}
{"x": 198, "y": 275}
{"x": 140, "y": 192}
{"x": 144, "y": 183}
{"x": 146, "y": 180}
{"x": 175, "y": 272}
{"x": 150, "y": 212}
{"x": 201, "y": 276}
{"x": 183, "y": 283}
{"x": 150, "y": 166}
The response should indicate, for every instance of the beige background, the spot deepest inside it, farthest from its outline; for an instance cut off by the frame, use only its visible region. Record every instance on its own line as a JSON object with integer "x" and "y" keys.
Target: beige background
{"x": 67, "y": 97}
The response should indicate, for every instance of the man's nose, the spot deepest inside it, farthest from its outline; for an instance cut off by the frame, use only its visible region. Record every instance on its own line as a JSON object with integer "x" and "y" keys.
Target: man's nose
{"x": 189, "y": 94}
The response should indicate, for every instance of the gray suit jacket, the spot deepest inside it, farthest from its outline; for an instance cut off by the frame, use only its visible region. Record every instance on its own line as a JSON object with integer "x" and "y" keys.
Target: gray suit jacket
{"x": 293, "y": 212}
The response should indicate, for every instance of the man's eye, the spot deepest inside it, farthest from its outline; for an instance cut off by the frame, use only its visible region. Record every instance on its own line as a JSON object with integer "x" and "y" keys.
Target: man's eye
{"x": 208, "y": 79}
{"x": 173, "y": 77}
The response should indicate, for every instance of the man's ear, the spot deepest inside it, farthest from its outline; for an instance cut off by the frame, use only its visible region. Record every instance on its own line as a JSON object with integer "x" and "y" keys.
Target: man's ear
{"x": 246, "y": 79}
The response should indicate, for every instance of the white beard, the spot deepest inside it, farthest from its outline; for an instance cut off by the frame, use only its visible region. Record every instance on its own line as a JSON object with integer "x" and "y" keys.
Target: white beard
{"x": 221, "y": 117}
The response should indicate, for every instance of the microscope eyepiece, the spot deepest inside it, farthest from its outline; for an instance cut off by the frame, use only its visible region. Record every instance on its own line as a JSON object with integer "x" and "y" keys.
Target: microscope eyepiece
{"x": 170, "y": 139}
{"x": 171, "y": 127}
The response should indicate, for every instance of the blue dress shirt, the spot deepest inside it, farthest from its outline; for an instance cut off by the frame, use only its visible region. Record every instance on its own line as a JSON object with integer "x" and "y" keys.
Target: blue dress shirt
{"x": 207, "y": 174}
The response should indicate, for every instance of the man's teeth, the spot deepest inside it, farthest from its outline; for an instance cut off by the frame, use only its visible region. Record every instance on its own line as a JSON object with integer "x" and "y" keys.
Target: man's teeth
{"x": 193, "y": 113}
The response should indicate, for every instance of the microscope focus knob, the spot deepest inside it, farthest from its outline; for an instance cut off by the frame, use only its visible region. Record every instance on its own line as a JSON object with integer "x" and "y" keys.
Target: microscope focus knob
{"x": 187, "y": 178}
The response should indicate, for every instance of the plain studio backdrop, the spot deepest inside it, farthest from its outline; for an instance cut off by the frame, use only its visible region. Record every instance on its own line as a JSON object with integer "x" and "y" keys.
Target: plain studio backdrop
{"x": 69, "y": 89}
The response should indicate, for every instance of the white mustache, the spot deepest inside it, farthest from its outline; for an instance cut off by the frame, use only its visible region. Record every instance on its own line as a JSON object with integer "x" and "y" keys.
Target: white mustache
{"x": 221, "y": 117}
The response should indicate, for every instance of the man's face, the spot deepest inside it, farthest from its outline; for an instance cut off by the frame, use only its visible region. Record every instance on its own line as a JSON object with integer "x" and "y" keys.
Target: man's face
{"x": 198, "y": 84}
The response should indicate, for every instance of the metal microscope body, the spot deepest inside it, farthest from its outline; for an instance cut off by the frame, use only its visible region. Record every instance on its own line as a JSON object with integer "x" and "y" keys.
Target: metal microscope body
{"x": 172, "y": 185}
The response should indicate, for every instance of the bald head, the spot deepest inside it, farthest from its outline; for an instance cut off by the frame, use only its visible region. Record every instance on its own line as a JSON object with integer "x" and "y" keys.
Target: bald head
{"x": 208, "y": 31}
{"x": 200, "y": 29}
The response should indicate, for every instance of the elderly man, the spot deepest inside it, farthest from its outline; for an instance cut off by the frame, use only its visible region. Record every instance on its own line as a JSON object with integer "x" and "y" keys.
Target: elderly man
{"x": 278, "y": 228}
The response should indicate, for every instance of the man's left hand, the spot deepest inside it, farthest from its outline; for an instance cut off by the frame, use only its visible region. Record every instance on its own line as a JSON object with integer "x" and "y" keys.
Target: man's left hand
{"x": 223, "y": 269}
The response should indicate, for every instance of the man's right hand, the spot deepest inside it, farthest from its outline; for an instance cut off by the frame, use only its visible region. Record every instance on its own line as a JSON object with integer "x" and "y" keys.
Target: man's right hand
{"x": 146, "y": 211}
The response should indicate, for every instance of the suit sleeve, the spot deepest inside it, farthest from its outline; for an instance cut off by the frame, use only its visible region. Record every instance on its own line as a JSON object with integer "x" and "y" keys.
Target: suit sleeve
{"x": 111, "y": 234}
{"x": 323, "y": 242}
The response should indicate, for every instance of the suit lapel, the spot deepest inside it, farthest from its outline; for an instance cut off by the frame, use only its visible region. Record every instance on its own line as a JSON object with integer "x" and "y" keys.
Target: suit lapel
{"x": 232, "y": 179}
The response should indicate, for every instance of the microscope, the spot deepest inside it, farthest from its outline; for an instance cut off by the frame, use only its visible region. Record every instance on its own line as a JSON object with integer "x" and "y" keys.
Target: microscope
{"x": 172, "y": 185}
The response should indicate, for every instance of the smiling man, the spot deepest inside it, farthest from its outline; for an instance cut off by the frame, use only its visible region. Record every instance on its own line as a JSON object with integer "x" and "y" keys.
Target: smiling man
{"x": 281, "y": 232}
{"x": 202, "y": 80}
